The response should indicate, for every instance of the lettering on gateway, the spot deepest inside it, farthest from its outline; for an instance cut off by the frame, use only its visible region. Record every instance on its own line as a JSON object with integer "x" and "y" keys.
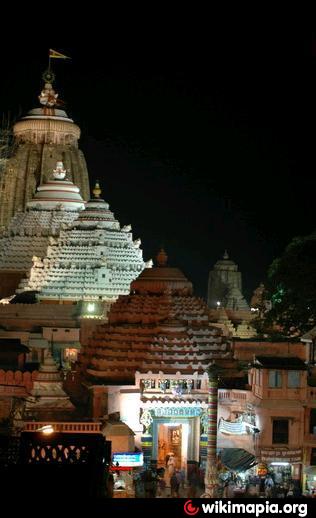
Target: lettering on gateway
{"x": 178, "y": 412}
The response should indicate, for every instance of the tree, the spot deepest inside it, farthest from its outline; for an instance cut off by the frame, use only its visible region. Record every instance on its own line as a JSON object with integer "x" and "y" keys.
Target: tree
{"x": 291, "y": 288}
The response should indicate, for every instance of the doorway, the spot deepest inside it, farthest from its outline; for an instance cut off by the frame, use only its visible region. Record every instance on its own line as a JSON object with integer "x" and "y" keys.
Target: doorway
{"x": 173, "y": 442}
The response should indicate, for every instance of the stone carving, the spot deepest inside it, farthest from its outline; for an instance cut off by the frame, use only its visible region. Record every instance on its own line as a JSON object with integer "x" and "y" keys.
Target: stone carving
{"x": 127, "y": 228}
{"x": 146, "y": 420}
{"x": 149, "y": 264}
{"x": 204, "y": 423}
{"x": 48, "y": 96}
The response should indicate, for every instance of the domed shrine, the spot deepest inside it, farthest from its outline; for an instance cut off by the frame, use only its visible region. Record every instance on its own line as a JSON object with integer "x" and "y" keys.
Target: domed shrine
{"x": 55, "y": 204}
{"x": 92, "y": 258}
{"x": 45, "y": 135}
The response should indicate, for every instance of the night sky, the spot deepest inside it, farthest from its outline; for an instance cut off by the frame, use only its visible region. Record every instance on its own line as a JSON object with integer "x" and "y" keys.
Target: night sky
{"x": 200, "y": 147}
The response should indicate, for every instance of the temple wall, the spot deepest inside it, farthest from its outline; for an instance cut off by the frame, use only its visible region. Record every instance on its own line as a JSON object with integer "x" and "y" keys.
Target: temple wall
{"x": 26, "y": 316}
{"x": 31, "y": 165}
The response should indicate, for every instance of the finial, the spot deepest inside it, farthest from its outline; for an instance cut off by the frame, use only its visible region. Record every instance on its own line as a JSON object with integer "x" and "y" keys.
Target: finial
{"x": 225, "y": 256}
{"x": 48, "y": 76}
{"x": 162, "y": 258}
{"x": 97, "y": 190}
{"x": 59, "y": 173}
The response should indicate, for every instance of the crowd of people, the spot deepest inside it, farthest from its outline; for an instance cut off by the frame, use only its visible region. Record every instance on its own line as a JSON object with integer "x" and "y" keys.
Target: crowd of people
{"x": 255, "y": 486}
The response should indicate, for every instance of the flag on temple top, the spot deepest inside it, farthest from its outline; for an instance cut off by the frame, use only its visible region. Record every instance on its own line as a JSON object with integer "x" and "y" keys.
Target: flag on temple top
{"x": 57, "y": 55}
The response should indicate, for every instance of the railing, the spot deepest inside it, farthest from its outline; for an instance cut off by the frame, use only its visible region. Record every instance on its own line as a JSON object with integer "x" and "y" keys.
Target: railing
{"x": 240, "y": 395}
{"x": 31, "y": 426}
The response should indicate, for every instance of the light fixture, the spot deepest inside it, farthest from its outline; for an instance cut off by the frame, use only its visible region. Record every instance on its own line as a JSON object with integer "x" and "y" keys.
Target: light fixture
{"x": 218, "y": 303}
{"x": 90, "y": 307}
{"x": 46, "y": 430}
{"x": 280, "y": 463}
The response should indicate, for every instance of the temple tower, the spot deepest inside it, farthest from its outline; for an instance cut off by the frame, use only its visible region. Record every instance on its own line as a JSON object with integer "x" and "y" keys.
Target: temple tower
{"x": 41, "y": 138}
{"x": 225, "y": 286}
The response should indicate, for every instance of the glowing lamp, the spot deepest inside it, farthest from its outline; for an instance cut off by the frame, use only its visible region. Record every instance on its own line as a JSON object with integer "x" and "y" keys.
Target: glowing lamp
{"x": 90, "y": 307}
{"x": 46, "y": 430}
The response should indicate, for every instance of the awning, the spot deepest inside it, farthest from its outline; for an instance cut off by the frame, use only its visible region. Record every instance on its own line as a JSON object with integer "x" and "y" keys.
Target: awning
{"x": 310, "y": 470}
{"x": 237, "y": 459}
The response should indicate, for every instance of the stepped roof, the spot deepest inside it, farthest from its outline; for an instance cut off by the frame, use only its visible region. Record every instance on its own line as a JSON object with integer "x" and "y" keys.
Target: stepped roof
{"x": 91, "y": 259}
{"x": 160, "y": 326}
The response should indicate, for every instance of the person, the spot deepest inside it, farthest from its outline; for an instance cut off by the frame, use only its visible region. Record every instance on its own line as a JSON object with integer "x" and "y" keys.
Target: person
{"x": 174, "y": 483}
{"x": 231, "y": 489}
{"x": 110, "y": 486}
{"x": 290, "y": 491}
{"x": 268, "y": 486}
{"x": 150, "y": 484}
{"x": 161, "y": 487}
{"x": 225, "y": 490}
{"x": 171, "y": 464}
{"x": 193, "y": 484}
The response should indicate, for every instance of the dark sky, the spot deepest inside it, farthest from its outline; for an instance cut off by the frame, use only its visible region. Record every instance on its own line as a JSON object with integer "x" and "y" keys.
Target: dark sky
{"x": 200, "y": 147}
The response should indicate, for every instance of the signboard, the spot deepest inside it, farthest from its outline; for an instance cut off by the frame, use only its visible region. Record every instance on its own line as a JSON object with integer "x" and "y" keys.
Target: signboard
{"x": 186, "y": 411}
{"x": 128, "y": 459}
{"x": 277, "y": 455}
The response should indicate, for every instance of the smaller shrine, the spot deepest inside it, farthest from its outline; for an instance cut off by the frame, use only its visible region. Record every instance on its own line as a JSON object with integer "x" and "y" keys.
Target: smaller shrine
{"x": 92, "y": 258}
{"x": 48, "y": 398}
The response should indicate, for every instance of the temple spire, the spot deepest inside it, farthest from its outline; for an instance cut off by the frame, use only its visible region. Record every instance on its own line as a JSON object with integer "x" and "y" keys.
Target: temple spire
{"x": 97, "y": 190}
{"x": 162, "y": 258}
{"x": 225, "y": 256}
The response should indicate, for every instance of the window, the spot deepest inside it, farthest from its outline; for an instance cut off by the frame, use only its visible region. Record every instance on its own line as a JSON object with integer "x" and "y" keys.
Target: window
{"x": 312, "y": 421}
{"x": 275, "y": 379}
{"x": 293, "y": 379}
{"x": 280, "y": 431}
{"x": 313, "y": 457}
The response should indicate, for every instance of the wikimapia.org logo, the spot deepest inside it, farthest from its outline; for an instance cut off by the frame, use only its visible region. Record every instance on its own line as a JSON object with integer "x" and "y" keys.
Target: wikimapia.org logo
{"x": 223, "y": 507}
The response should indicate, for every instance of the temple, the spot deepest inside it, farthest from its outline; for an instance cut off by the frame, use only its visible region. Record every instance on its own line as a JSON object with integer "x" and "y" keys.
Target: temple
{"x": 40, "y": 139}
{"x": 225, "y": 286}
{"x": 95, "y": 341}
{"x": 92, "y": 258}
